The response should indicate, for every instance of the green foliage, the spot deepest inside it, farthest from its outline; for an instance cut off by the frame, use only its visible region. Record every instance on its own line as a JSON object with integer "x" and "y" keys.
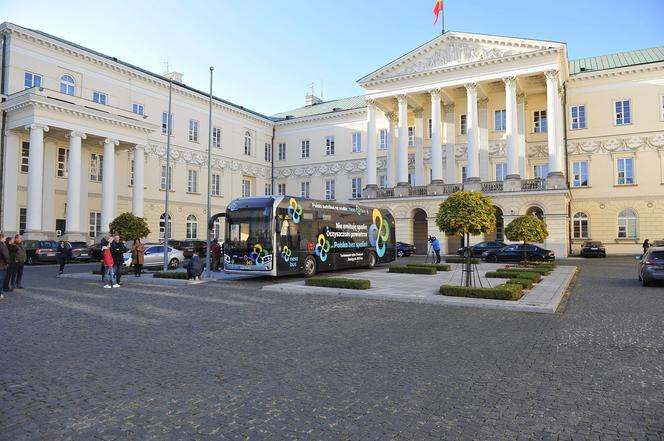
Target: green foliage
{"x": 525, "y": 283}
{"x": 438, "y": 266}
{"x": 466, "y": 212}
{"x": 549, "y": 265}
{"x": 474, "y": 260}
{"x": 170, "y": 275}
{"x": 499, "y": 292}
{"x": 497, "y": 275}
{"x": 338, "y": 282}
{"x": 526, "y": 229}
{"x": 129, "y": 227}
{"x": 540, "y": 271}
{"x": 413, "y": 269}
{"x": 535, "y": 277}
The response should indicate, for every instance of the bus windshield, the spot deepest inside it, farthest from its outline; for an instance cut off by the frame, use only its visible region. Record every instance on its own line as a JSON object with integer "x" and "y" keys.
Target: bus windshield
{"x": 249, "y": 236}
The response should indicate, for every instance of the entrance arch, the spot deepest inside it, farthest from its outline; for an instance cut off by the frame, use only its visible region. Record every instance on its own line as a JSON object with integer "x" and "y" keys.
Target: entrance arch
{"x": 420, "y": 231}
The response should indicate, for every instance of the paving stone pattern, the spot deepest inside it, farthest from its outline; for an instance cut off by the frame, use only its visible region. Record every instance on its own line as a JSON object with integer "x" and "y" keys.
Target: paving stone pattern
{"x": 224, "y": 361}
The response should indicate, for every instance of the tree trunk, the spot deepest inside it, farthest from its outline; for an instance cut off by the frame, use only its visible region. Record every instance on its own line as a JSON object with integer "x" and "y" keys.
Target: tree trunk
{"x": 469, "y": 273}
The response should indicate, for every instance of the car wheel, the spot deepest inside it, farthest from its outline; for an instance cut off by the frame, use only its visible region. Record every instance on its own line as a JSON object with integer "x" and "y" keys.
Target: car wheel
{"x": 174, "y": 263}
{"x": 492, "y": 258}
{"x": 401, "y": 253}
{"x": 309, "y": 267}
{"x": 372, "y": 260}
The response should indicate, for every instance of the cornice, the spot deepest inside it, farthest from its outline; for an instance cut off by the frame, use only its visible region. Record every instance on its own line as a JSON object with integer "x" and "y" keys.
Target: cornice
{"x": 652, "y": 141}
{"x": 616, "y": 72}
{"x": 322, "y": 116}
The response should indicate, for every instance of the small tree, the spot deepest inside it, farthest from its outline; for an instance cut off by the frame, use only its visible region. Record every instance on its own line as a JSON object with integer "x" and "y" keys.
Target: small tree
{"x": 526, "y": 229}
{"x": 465, "y": 213}
{"x": 129, "y": 227}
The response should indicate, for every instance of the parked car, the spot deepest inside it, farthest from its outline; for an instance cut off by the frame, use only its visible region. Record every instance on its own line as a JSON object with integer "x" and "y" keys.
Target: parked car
{"x": 95, "y": 251}
{"x": 478, "y": 249}
{"x": 514, "y": 253}
{"x": 40, "y": 251}
{"x": 657, "y": 243}
{"x": 190, "y": 247}
{"x": 405, "y": 249}
{"x": 593, "y": 248}
{"x": 651, "y": 266}
{"x": 154, "y": 256}
{"x": 80, "y": 252}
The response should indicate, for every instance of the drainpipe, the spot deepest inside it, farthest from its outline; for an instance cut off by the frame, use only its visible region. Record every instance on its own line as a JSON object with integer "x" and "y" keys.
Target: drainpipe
{"x": 274, "y": 128}
{"x": 3, "y": 89}
{"x": 569, "y": 186}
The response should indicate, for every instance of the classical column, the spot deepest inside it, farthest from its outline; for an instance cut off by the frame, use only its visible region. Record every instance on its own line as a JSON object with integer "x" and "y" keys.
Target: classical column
{"x": 402, "y": 148}
{"x": 521, "y": 134}
{"x": 391, "y": 150}
{"x": 108, "y": 185}
{"x": 419, "y": 147}
{"x": 483, "y": 137}
{"x": 10, "y": 190}
{"x": 555, "y": 167}
{"x": 35, "y": 181}
{"x": 473, "y": 169}
{"x": 436, "y": 140}
{"x": 48, "y": 188}
{"x": 450, "y": 145}
{"x": 74, "y": 166}
{"x": 511, "y": 129}
{"x": 139, "y": 181}
{"x": 371, "y": 179}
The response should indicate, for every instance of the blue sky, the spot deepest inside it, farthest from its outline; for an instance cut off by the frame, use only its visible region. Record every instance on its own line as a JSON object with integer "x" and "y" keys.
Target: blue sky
{"x": 266, "y": 54}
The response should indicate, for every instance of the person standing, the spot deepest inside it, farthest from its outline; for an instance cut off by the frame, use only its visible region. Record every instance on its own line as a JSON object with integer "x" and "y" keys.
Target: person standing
{"x": 435, "y": 245}
{"x": 63, "y": 255}
{"x": 646, "y": 245}
{"x": 4, "y": 263}
{"x": 11, "y": 266}
{"x": 118, "y": 249}
{"x": 105, "y": 241}
{"x": 216, "y": 255}
{"x": 21, "y": 257}
{"x": 108, "y": 264}
{"x": 137, "y": 257}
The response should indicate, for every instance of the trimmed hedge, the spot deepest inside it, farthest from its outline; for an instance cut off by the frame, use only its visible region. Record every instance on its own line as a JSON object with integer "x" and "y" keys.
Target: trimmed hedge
{"x": 534, "y": 277}
{"x": 461, "y": 260}
{"x": 124, "y": 271}
{"x": 413, "y": 269}
{"x": 338, "y": 282}
{"x": 525, "y": 283}
{"x": 551, "y": 265}
{"x": 438, "y": 266}
{"x": 499, "y": 292}
{"x": 170, "y": 275}
{"x": 540, "y": 271}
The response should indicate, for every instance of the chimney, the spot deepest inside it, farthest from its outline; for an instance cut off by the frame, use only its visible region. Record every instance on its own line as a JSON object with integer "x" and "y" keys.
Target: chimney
{"x": 311, "y": 100}
{"x": 175, "y": 76}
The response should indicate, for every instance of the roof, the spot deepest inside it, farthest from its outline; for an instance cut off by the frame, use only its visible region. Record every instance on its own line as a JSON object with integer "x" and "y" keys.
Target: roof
{"x": 614, "y": 61}
{"x": 354, "y": 102}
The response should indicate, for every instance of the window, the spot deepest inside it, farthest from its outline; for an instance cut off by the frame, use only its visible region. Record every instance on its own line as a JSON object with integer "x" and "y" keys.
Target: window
{"x": 32, "y": 80}
{"x": 268, "y": 189}
{"x": 192, "y": 227}
{"x": 578, "y": 117}
{"x": 357, "y": 142}
{"x": 627, "y": 224}
{"x": 329, "y": 189}
{"x": 541, "y": 171}
{"x": 246, "y": 188}
{"x": 382, "y": 181}
{"x": 96, "y": 167}
{"x": 500, "y": 122}
{"x": 67, "y": 85}
{"x": 539, "y": 121}
{"x": 430, "y": 128}
{"x": 463, "y": 124}
{"x": 268, "y": 152}
{"x": 23, "y": 219}
{"x": 192, "y": 181}
{"x": 166, "y": 173}
{"x": 625, "y": 168}
{"x": 304, "y": 190}
{"x": 162, "y": 226}
{"x": 95, "y": 224}
{"x": 138, "y": 109}
{"x": 501, "y": 171}
{"x": 215, "y": 185}
{"x": 247, "y": 143}
{"x": 356, "y": 188}
{"x": 281, "y": 189}
{"x": 535, "y": 211}
{"x": 329, "y": 145}
{"x": 217, "y": 228}
{"x": 305, "y": 148}
{"x": 25, "y": 154}
{"x": 216, "y": 137}
{"x": 282, "y": 152}
{"x": 623, "y": 112}
{"x": 166, "y": 123}
{"x": 193, "y": 130}
{"x": 411, "y": 179}
{"x": 131, "y": 172}
{"x": 63, "y": 162}
{"x": 411, "y": 136}
{"x": 100, "y": 98}
{"x": 580, "y": 226}
{"x": 464, "y": 173}
{"x": 661, "y": 107}
{"x": 383, "y": 139}
{"x": 580, "y": 174}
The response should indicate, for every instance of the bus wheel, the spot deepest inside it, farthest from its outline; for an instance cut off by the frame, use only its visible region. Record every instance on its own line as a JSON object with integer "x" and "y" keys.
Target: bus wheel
{"x": 309, "y": 266}
{"x": 372, "y": 260}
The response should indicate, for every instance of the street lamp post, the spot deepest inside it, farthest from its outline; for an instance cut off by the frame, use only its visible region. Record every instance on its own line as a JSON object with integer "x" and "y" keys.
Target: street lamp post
{"x": 167, "y": 229}
{"x": 209, "y": 183}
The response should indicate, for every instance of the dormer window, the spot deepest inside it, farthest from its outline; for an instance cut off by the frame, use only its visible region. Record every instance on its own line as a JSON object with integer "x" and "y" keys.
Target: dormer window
{"x": 67, "y": 85}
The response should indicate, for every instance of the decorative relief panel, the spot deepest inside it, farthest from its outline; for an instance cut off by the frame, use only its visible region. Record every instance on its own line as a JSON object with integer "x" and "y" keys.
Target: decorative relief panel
{"x": 617, "y": 144}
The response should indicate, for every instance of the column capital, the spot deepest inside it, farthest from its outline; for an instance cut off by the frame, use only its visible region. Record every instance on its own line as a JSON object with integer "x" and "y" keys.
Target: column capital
{"x": 551, "y": 74}
{"x": 115, "y": 142}
{"x": 392, "y": 117}
{"x": 435, "y": 93}
{"x": 509, "y": 81}
{"x": 401, "y": 98}
{"x": 36, "y": 126}
{"x": 521, "y": 98}
{"x": 370, "y": 102}
{"x": 139, "y": 147}
{"x": 418, "y": 113}
{"x": 75, "y": 134}
{"x": 470, "y": 87}
{"x": 448, "y": 107}
{"x": 483, "y": 101}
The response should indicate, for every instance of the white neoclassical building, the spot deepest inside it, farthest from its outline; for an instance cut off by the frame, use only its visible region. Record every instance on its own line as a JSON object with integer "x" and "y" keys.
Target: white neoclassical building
{"x": 578, "y": 143}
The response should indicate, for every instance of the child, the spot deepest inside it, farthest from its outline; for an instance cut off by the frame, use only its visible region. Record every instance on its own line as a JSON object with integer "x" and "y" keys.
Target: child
{"x": 107, "y": 260}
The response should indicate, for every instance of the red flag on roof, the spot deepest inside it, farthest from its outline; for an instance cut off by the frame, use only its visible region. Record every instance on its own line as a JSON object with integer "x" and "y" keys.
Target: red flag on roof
{"x": 437, "y": 9}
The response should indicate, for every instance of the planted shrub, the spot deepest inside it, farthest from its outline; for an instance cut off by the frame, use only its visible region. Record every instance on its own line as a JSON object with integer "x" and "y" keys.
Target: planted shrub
{"x": 338, "y": 282}
{"x": 413, "y": 269}
{"x": 170, "y": 275}
{"x": 438, "y": 266}
{"x": 538, "y": 264}
{"x": 534, "y": 277}
{"x": 525, "y": 283}
{"x": 500, "y": 292}
{"x": 540, "y": 271}
{"x": 474, "y": 260}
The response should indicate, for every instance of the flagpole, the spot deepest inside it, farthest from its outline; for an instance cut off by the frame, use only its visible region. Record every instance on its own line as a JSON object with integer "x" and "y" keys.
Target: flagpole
{"x": 443, "y": 20}
{"x": 209, "y": 187}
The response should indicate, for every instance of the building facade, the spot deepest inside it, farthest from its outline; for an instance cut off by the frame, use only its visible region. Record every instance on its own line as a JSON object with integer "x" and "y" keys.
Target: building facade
{"x": 578, "y": 143}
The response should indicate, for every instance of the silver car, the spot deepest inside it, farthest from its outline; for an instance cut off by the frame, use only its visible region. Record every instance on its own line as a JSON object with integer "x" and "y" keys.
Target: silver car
{"x": 154, "y": 256}
{"x": 651, "y": 266}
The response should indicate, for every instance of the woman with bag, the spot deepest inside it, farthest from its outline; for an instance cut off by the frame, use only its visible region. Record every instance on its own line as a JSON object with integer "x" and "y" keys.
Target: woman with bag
{"x": 107, "y": 262}
{"x": 137, "y": 257}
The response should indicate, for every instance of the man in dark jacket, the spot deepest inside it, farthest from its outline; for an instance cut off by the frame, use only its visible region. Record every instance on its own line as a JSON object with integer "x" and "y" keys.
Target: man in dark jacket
{"x": 118, "y": 249}
{"x": 21, "y": 257}
{"x": 11, "y": 267}
{"x": 4, "y": 262}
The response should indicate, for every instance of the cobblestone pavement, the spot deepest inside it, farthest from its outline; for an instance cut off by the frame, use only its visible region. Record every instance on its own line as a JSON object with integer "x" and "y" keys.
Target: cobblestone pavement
{"x": 224, "y": 361}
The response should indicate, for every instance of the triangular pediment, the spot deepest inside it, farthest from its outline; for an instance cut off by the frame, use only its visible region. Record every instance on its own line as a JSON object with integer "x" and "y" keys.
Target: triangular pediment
{"x": 456, "y": 49}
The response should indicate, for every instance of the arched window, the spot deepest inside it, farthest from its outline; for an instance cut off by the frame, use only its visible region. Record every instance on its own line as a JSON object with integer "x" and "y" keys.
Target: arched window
{"x": 535, "y": 211}
{"x": 162, "y": 226}
{"x": 67, "y": 85}
{"x": 247, "y": 143}
{"x": 627, "y": 224}
{"x": 192, "y": 227}
{"x": 580, "y": 226}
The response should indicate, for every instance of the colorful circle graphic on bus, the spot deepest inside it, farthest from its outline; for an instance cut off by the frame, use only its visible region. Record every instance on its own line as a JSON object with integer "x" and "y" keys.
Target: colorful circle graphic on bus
{"x": 379, "y": 233}
{"x": 295, "y": 210}
{"x": 257, "y": 256}
{"x": 286, "y": 253}
{"x": 322, "y": 247}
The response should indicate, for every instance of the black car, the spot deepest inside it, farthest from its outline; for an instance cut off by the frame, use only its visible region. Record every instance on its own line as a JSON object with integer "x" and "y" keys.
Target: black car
{"x": 478, "y": 249}
{"x": 514, "y": 253}
{"x": 593, "y": 248}
{"x": 80, "y": 252}
{"x": 405, "y": 249}
{"x": 39, "y": 251}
